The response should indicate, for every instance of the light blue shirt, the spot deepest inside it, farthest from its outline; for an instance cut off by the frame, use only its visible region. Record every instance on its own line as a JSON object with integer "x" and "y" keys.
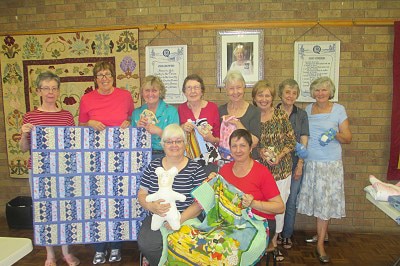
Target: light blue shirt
{"x": 320, "y": 123}
{"x": 166, "y": 114}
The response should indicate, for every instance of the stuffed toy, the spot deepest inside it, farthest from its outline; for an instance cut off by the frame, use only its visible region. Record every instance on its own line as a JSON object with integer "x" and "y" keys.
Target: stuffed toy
{"x": 149, "y": 116}
{"x": 327, "y": 137}
{"x": 203, "y": 126}
{"x": 301, "y": 150}
{"x": 225, "y": 132}
{"x": 270, "y": 153}
{"x": 165, "y": 192}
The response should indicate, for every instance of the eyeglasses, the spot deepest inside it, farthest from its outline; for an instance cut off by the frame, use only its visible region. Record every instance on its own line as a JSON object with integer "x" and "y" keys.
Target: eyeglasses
{"x": 194, "y": 88}
{"x": 48, "y": 89}
{"x": 100, "y": 76}
{"x": 170, "y": 142}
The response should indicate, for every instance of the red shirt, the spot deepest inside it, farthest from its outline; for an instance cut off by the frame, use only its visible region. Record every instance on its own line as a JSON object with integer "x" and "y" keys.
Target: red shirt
{"x": 259, "y": 182}
{"x": 111, "y": 109}
{"x": 210, "y": 111}
{"x": 40, "y": 118}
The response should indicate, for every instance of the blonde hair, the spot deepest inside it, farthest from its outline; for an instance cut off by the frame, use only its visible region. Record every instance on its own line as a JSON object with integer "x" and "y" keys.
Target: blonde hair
{"x": 260, "y": 86}
{"x": 154, "y": 81}
{"x": 323, "y": 82}
{"x": 237, "y": 48}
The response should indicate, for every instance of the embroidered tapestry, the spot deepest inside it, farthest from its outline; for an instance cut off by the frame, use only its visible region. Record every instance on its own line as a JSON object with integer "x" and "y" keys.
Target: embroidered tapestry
{"x": 229, "y": 235}
{"x": 85, "y": 183}
{"x": 71, "y": 56}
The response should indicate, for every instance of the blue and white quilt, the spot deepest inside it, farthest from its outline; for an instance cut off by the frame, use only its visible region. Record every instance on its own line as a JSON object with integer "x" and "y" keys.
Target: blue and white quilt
{"x": 85, "y": 183}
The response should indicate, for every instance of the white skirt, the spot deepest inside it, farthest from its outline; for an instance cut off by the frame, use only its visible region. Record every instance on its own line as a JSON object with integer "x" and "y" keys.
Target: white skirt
{"x": 322, "y": 190}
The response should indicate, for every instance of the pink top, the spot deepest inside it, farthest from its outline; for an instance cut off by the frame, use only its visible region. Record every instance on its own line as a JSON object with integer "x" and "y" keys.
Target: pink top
{"x": 111, "y": 109}
{"x": 210, "y": 111}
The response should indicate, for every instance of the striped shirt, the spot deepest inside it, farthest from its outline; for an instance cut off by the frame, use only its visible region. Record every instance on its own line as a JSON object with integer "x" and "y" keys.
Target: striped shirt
{"x": 40, "y": 118}
{"x": 191, "y": 176}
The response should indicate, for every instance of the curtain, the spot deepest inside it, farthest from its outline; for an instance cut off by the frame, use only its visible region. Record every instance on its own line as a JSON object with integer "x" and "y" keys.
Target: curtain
{"x": 394, "y": 161}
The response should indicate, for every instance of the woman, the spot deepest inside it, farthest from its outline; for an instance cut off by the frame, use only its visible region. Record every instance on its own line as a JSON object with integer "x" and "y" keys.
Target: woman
{"x": 276, "y": 143}
{"x": 253, "y": 179}
{"x": 289, "y": 91}
{"x": 162, "y": 114}
{"x": 105, "y": 106}
{"x": 241, "y": 64}
{"x": 322, "y": 191}
{"x": 47, "y": 114}
{"x": 197, "y": 108}
{"x": 190, "y": 175}
{"x": 247, "y": 116}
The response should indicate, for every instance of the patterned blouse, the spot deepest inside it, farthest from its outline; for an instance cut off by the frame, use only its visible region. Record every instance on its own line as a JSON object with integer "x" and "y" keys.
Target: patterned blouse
{"x": 278, "y": 133}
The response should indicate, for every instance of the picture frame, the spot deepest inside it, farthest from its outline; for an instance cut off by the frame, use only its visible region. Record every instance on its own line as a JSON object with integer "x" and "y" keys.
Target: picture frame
{"x": 248, "y": 46}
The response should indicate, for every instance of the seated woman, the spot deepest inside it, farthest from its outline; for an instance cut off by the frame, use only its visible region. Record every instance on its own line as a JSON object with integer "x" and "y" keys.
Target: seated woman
{"x": 190, "y": 175}
{"x": 161, "y": 114}
{"x": 253, "y": 179}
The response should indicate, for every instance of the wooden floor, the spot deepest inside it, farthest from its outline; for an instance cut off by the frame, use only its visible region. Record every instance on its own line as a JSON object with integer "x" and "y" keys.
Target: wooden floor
{"x": 344, "y": 249}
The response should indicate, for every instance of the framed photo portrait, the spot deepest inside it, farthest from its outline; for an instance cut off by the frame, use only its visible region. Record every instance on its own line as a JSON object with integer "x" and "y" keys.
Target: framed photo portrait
{"x": 241, "y": 50}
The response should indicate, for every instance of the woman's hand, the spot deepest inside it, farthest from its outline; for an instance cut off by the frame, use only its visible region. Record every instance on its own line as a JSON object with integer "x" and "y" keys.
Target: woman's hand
{"x": 210, "y": 176}
{"x": 298, "y": 171}
{"x": 188, "y": 127}
{"x": 208, "y": 136}
{"x": 153, "y": 129}
{"x": 97, "y": 125}
{"x": 27, "y": 128}
{"x": 142, "y": 122}
{"x": 247, "y": 199}
{"x": 158, "y": 207}
{"x": 125, "y": 124}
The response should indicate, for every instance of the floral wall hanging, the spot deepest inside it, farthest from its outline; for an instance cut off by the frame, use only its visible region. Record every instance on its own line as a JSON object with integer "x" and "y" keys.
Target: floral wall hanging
{"x": 71, "y": 56}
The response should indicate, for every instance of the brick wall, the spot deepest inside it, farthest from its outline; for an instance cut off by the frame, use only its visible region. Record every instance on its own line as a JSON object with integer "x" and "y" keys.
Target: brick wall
{"x": 365, "y": 68}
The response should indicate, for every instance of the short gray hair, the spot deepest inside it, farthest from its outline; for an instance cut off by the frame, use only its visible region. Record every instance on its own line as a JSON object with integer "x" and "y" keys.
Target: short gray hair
{"x": 232, "y": 76}
{"x": 323, "y": 82}
{"x": 48, "y": 75}
{"x": 172, "y": 131}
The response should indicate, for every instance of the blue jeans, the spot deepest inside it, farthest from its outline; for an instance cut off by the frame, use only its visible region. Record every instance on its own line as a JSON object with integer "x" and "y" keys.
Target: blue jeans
{"x": 290, "y": 213}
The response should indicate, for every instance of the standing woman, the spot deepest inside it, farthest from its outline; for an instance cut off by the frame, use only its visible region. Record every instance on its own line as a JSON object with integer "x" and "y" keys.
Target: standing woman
{"x": 48, "y": 114}
{"x": 248, "y": 116}
{"x": 289, "y": 91}
{"x": 153, "y": 92}
{"x": 105, "y": 106}
{"x": 197, "y": 108}
{"x": 322, "y": 191}
{"x": 276, "y": 135}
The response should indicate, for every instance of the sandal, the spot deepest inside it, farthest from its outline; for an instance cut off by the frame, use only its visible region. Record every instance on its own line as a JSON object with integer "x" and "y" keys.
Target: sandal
{"x": 50, "y": 262}
{"x": 278, "y": 255}
{"x": 71, "y": 260}
{"x": 287, "y": 243}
